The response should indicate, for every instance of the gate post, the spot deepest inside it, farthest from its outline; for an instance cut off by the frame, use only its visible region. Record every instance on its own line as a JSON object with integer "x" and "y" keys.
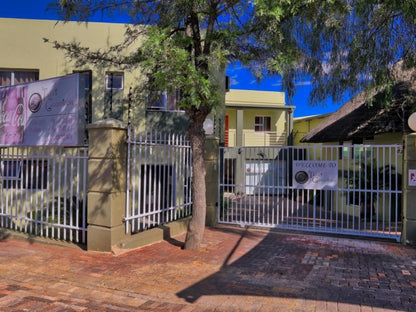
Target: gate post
{"x": 409, "y": 191}
{"x": 211, "y": 179}
{"x": 106, "y": 184}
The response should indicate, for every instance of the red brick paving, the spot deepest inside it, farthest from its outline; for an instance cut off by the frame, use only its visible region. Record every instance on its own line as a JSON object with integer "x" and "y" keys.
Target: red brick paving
{"x": 236, "y": 270}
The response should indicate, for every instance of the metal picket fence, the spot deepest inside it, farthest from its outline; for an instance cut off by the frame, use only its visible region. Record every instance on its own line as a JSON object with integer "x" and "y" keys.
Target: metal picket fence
{"x": 159, "y": 176}
{"x": 43, "y": 191}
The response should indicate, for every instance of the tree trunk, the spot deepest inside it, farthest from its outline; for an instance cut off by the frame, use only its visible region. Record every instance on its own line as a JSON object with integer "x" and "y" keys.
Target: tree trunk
{"x": 197, "y": 224}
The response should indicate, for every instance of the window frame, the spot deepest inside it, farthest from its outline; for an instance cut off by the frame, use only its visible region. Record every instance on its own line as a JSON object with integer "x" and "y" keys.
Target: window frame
{"x": 167, "y": 99}
{"x": 14, "y": 174}
{"x": 262, "y": 126}
{"x": 88, "y": 93}
{"x": 108, "y": 80}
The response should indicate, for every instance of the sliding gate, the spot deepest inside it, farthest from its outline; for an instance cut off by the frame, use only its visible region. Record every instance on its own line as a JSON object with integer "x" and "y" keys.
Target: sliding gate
{"x": 336, "y": 189}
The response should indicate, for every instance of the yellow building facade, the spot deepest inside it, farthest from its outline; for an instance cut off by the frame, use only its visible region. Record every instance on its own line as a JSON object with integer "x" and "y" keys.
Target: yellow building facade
{"x": 302, "y": 126}
{"x": 26, "y": 57}
{"x": 257, "y": 118}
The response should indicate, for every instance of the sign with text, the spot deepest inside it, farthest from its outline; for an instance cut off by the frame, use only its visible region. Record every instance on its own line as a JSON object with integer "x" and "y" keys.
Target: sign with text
{"x": 315, "y": 174}
{"x": 44, "y": 112}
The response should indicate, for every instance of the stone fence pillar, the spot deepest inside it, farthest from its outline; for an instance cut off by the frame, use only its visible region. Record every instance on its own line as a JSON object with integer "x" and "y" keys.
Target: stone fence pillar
{"x": 107, "y": 189}
{"x": 211, "y": 179}
{"x": 106, "y": 184}
{"x": 409, "y": 190}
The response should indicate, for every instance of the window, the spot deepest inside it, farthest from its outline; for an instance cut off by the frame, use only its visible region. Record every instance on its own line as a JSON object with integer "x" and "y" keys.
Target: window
{"x": 163, "y": 100}
{"x": 10, "y": 77}
{"x": 262, "y": 123}
{"x": 10, "y": 169}
{"x": 114, "y": 81}
{"x": 113, "y": 96}
{"x": 26, "y": 174}
{"x": 86, "y": 80}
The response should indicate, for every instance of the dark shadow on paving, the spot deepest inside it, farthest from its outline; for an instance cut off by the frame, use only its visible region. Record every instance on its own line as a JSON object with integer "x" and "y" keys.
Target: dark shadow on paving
{"x": 168, "y": 237}
{"x": 313, "y": 267}
{"x": 6, "y": 234}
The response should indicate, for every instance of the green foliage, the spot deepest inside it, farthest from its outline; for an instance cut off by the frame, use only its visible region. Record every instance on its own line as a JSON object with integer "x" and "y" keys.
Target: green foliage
{"x": 168, "y": 64}
{"x": 344, "y": 46}
{"x": 354, "y": 47}
{"x": 188, "y": 42}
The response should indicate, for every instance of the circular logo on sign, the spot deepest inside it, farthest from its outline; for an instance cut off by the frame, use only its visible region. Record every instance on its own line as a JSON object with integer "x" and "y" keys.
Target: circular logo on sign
{"x": 301, "y": 177}
{"x": 35, "y": 102}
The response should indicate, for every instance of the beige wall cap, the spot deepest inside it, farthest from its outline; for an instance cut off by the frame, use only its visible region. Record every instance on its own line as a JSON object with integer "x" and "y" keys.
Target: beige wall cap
{"x": 253, "y": 98}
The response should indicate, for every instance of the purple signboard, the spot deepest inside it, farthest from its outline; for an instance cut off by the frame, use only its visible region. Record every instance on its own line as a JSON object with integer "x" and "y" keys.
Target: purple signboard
{"x": 45, "y": 112}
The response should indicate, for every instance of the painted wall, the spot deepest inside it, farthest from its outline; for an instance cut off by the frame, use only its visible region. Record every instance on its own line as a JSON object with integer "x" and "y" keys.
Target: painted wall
{"x": 388, "y": 138}
{"x": 252, "y": 104}
{"x": 252, "y": 98}
{"x": 302, "y": 126}
{"x": 23, "y": 47}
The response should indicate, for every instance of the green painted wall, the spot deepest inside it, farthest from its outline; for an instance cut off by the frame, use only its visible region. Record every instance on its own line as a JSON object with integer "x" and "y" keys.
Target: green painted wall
{"x": 23, "y": 47}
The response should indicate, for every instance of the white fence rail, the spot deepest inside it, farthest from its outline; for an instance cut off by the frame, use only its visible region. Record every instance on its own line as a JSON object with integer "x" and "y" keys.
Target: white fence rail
{"x": 264, "y": 186}
{"x": 159, "y": 176}
{"x": 43, "y": 191}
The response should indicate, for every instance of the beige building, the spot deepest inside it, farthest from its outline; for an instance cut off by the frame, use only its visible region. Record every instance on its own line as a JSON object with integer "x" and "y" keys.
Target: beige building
{"x": 303, "y": 125}
{"x": 25, "y": 57}
{"x": 257, "y": 118}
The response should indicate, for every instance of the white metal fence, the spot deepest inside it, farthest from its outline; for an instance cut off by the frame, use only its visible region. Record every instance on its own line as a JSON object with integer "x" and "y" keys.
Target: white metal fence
{"x": 159, "y": 175}
{"x": 361, "y": 195}
{"x": 43, "y": 191}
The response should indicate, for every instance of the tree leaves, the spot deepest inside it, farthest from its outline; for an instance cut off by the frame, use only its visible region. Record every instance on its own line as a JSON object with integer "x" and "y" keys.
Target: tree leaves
{"x": 344, "y": 46}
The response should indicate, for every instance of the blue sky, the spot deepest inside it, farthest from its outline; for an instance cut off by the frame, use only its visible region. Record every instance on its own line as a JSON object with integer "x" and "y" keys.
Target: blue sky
{"x": 240, "y": 77}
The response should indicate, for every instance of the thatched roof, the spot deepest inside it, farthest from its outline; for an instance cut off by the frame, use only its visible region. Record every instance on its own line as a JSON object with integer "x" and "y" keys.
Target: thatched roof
{"x": 355, "y": 119}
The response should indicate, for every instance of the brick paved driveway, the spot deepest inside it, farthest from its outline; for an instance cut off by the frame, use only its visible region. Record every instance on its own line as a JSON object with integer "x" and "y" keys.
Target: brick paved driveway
{"x": 236, "y": 270}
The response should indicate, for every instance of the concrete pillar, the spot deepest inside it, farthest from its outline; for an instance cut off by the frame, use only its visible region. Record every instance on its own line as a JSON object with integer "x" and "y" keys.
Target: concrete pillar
{"x": 409, "y": 192}
{"x": 289, "y": 121}
{"x": 106, "y": 184}
{"x": 239, "y": 128}
{"x": 211, "y": 179}
{"x": 240, "y": 161}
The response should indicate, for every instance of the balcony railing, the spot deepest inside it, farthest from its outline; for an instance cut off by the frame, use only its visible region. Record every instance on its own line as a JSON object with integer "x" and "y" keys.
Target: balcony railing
{"x": 253, "y": 138}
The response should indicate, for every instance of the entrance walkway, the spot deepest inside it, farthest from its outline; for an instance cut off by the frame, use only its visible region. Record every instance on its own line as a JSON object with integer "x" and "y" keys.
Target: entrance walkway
{"x": 236, "y": 270}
